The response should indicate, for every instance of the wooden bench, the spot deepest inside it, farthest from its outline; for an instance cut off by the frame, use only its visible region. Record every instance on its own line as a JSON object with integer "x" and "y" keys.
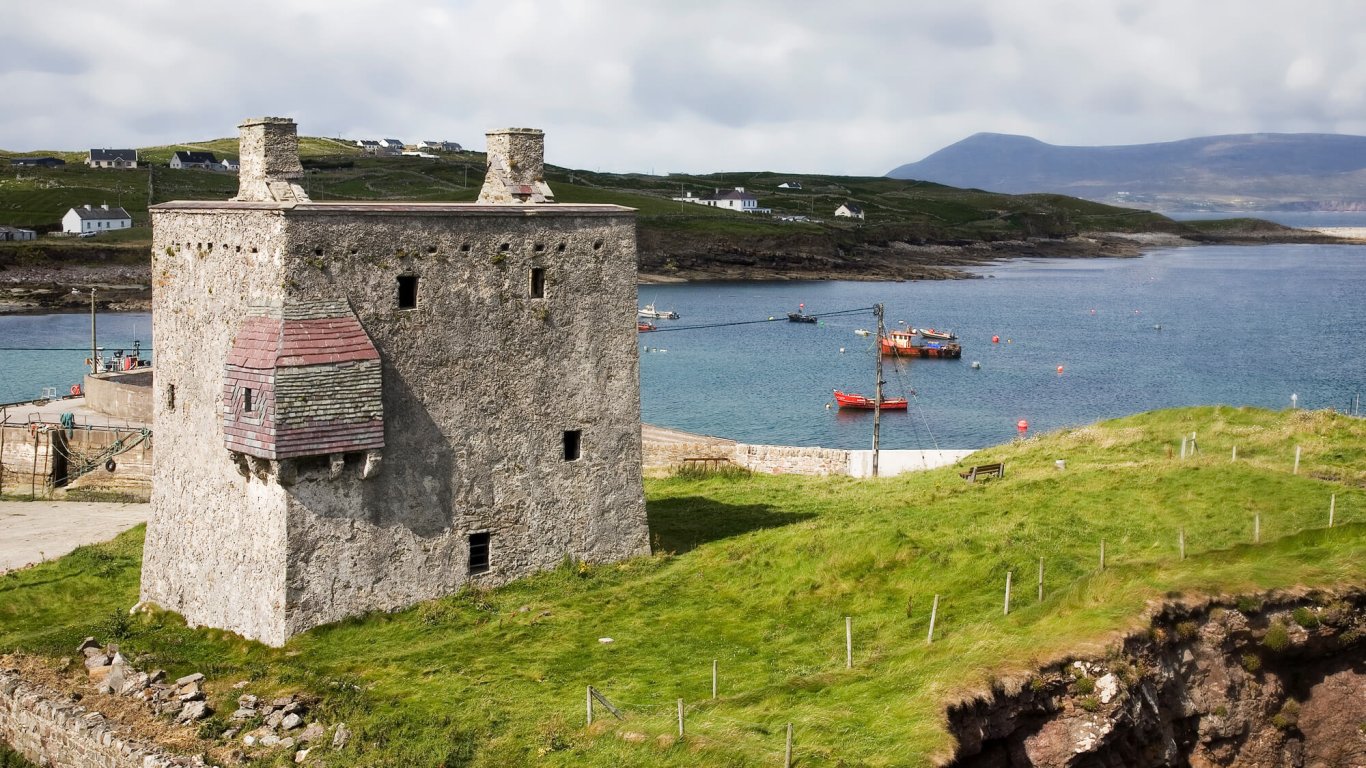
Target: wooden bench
{"x": 984, "y": 470}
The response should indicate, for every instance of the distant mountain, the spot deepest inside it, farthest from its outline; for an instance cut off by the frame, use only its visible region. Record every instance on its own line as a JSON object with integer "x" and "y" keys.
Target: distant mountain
{"x": 1313, "y": 171}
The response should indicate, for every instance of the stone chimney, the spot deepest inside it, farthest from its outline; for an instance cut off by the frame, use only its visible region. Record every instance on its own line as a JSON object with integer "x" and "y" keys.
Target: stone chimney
{"x": 516, "y": 167}
{"x": 269, "y": 149}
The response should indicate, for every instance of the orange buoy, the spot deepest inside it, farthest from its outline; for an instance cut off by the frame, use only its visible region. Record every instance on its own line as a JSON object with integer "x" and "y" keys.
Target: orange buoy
{"x": 75, "y": 390}
{"x": 1022, "y": 425}
{"x": 995, "y": 339}
{"x": 1060, "y": 369}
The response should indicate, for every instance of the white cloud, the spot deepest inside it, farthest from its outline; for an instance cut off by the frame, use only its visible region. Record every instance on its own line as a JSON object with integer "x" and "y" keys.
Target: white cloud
{"x": 794, "y": 85}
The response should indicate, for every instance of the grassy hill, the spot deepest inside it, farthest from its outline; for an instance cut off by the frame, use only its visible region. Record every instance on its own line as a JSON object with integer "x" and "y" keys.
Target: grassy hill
{"x": 337, "y": 171}
{"x": 759, "y": 573}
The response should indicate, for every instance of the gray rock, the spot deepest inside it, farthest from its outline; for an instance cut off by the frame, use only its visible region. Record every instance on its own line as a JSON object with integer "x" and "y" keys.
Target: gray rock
{"x": 300, "y": 756}
{"x": 341, "y": 737}
{"x": 98, "y": 660}
{"x": 87, "y": 644}
{"x": 269, "y": 739}
{"x": 170, "y": 708}
{"x": 247, "y": 701}
{"x": 244, "y": 713}
{"x": 282, "y": 702}
{"x": 274, "y": 718}
{"x": 287, "y": 742}
{"x": 312, "y": 733}
{"x": 194, "y": 711}
{"x": 196, "y": 696}
{"x": 133, "y": 684}
{"x": 228, "y": 734}
{"x": 186, "y": 680}
{"x": 291, "y": 721}
{"x": 187, "y": 689}
{"x": 295, "y": 707}
{"x": 157, "y": 676}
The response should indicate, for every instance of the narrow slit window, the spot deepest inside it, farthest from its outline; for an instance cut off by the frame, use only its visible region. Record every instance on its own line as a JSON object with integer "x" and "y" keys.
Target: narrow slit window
{"x": 479, "y": 553}
{"x": 246, "y": 400}
{"x": 170, "y": 397}
{"x": 537, "y": 283}
{"x": 407, "y": 291}
{"x": 573, "y": 444}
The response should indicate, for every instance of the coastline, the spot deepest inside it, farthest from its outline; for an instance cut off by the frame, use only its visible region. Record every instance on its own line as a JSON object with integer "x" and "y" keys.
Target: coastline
{"x": 63, "y": 286}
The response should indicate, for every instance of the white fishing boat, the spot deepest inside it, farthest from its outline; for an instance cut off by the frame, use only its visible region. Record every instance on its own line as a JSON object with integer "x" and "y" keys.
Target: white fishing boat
{"x": 649, "y": 311}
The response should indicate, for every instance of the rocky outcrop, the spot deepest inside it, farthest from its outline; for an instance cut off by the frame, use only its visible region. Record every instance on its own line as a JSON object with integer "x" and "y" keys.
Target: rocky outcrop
{"x": 1279, "y": 683}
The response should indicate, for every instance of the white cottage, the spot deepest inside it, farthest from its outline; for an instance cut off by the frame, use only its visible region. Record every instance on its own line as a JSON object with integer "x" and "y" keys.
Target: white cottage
{"x": 91, "y": 219}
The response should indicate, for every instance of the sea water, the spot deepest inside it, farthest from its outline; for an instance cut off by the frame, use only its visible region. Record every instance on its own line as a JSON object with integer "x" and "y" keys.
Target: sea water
{"x": 1187, "y": 326}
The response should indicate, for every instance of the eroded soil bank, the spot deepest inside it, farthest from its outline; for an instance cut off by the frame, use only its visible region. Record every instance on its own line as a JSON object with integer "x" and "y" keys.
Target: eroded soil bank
{"x": 1274, "y": 683}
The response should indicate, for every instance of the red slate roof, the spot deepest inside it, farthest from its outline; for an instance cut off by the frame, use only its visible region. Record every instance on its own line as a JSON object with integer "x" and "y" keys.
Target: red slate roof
{"x": 268, "y": 342}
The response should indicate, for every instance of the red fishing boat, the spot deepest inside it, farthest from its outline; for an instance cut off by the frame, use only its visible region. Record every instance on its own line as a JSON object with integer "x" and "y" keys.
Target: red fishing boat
{"x": 643, "y": 327}
{"x": 847, "y": 400}
{"x": 902, "y": 344}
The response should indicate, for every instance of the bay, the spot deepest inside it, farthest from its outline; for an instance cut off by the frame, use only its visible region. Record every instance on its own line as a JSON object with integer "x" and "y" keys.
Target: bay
{"x": 1239, "y": 325}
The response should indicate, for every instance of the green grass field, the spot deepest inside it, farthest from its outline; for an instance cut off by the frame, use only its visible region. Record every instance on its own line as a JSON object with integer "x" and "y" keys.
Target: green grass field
{"x": 759, "y": 573}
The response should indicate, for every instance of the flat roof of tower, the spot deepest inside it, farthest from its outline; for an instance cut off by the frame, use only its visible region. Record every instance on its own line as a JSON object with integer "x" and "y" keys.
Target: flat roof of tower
{"x": 380, "y": 207}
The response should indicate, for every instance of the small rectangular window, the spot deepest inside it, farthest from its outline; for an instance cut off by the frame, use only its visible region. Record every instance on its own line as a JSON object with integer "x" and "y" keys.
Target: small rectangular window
{"x": 170, "y": 397}
{"x": 479, "y": 553}
{"x": 246, "y": 400}
{"x": 537, "y": 283}
{"x": 573, "y": 440}
{"x": 407, "y": 291}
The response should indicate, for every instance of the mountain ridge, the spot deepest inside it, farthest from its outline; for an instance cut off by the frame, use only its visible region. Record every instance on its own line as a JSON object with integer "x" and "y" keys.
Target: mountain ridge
{"x": 1229, "y": 171}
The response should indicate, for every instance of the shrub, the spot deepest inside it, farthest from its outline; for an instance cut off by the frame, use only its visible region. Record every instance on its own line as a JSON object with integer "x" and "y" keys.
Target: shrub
{"x": 1305, "y": 617}
{"x": 1089, "y": 703}
{"x": 1252, "y": 663}
{"x": 1187, "y": 630}
{"x": 1085, "y": 685}
{"x": 1277, "y": 637}
{"x": 1249, "y": 604}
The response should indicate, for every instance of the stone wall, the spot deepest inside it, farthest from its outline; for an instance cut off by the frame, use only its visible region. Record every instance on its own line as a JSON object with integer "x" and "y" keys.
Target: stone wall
{"x": 47, "y": 729}
{"x": 121, "y": 395}
{"x": 787, "y": 460}
{"x": 482, "y": 380}
{"x": 30, "y": 461}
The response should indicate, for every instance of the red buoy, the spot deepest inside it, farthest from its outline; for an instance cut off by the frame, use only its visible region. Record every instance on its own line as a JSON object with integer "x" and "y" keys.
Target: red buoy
{"x": 1060, "y": 369}
{"x": 995, "y": 339}
{"x": 1022, "y": 425}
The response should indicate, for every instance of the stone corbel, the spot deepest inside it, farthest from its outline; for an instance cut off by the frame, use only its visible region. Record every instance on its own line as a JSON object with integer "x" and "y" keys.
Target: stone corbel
{"x": 373, "y": 460}
{"x": 336, "y": 462}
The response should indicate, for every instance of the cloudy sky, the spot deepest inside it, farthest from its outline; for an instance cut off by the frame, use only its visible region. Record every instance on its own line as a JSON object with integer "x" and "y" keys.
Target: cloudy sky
{"x": 683, "y": 86}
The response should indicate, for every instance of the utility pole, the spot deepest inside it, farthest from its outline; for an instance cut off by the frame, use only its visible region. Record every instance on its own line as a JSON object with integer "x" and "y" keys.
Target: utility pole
{"x": 877, "y": 402}
{"x": 94, "y": 356}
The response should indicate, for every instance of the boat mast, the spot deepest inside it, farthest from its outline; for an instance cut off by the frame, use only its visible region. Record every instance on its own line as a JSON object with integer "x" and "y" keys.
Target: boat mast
{"x": 877, "y": 402}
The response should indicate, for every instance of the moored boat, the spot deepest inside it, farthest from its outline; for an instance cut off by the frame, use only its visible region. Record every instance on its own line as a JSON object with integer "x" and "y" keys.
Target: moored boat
{"x": 649, "y": 311}
{"x": 800, "y": 315}
{"x": 931, "y": 333}
{"x": 902, "y": 344}
{"x": 643, "y": 326}
{"x": 863, "y": 332}
{"x": 856, "y": 401}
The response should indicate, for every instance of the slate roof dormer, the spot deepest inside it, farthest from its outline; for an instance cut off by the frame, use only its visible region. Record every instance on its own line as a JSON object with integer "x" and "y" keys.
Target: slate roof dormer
{"x": 314, "y": 382}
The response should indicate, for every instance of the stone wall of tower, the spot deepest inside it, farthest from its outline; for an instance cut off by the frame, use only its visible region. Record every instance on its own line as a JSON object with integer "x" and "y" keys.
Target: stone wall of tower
{"x": 481, "y": 381}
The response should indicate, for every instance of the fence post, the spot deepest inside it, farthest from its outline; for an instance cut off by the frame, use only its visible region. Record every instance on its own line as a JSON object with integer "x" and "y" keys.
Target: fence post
{"x": 1332, "y": 507}
{"x": 1183, "y": 447}
{"x": 1235, "y": 454}
{"x": 713, "y": 678}
{"x": 1041, "y": 579}
{"x": 787, "y": 756}
{"x": 1102, "y": 554}
{"x": 848, "y": 642}
{"x": 1297, "y": 461}
{"x": 1257, "y": 528}
{"x": 1181, "y": 542}
{"x": 680, "y": 718}
{"x": 589, "y": 697}
{"x": 1007, "y": 606}
{"x": 934, "y": 611}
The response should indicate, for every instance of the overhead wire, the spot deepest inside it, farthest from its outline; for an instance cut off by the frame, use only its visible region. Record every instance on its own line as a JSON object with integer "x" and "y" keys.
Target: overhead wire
{"x": 757, "y": 322}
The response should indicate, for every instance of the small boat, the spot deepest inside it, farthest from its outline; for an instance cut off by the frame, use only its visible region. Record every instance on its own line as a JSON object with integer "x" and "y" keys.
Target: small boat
{"x": 649, "y": 311}
{"x": 931, "y": 333}
{"x": 800, "y": 315}
{"x": 849, "y": 400}
{"x": 902, "y": 344}
{"x": 644, "y": 327}
{"x": 863, "y": 332}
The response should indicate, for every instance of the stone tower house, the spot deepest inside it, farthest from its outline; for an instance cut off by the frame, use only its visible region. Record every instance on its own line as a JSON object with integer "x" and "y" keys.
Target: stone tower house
{"x": 364, "y": 405}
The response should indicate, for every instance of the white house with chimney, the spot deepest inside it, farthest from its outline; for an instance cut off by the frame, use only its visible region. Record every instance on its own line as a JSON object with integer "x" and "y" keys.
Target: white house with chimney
{"x": 731, "y": 199}
{"x": 849, "y": 211}
{"x": 95, "y": 219}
